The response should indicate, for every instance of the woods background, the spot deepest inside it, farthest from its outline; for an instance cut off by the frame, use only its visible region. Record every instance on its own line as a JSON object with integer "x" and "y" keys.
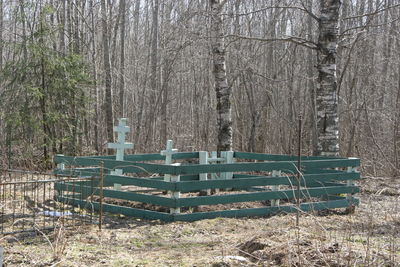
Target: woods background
{"x": 67, "y": 67}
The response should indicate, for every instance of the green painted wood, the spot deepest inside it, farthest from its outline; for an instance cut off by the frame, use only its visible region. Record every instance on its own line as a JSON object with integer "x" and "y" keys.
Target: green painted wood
{"x": 132, "y": 212}
{"x": 185, "y": 186}
{"x": 154, "y": 215}
{"x": 83, "y": 183}
{"x": 319, "y": 171}
{"x": 142, "y": 182}
{"x": 150, "y": 157}
{"x": 127, "y": 166}
{"x": 267, "y": 211}
{"x": 342, "y": 176}
{"x": 260, "y": 196}
{"x": 276, "y": 157}
{"x": 123, "y": 195}
{"x": 284, "y": 166}
{"x": 133, "y": 167}
{"x": 110, "y": 180}
{"x": 71, "y": 172}
{"x": 323, "y": 184}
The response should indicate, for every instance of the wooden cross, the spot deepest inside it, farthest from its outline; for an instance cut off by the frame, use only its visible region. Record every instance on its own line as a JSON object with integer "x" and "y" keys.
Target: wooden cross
{"x": 168, "y": 152}
{"x": 120, "y": 146}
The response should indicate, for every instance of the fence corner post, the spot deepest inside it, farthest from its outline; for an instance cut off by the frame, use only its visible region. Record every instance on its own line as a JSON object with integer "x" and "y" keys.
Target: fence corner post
{"x": 275, "y": 202}
{"x": 349, "y": 196}
{"x": 175, "y": 194}
{"x": 203, "y": 159}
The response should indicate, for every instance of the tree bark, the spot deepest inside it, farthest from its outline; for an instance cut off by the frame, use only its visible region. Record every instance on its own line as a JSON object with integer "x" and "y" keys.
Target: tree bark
{"x": 396, "y": 128}
{"x": 153, "y": 73}
{"x": 1, "y": 34}
{"x": 43, "y": 97}
{"x": 95, "y": 87}
{"x": 61, "y": 27}
{"x": 223, "y": 91}
{"x": 122, "y": 58}
{"x": 311, "y": 87}
{"x": 327, "y": 99}
{"x": 108, "y": 105}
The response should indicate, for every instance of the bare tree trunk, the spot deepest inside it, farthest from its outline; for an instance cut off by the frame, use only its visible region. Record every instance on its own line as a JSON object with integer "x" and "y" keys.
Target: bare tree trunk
{"x": 1, "y": 34}
{"x": 122, "y": 58}
{"x": 69, "y": 26}
{"x": 43, "y": 97}
{"x": 223, "y": 91}
{"x": 311, "y": 87}
{"x": 77, "y": 139}
{"x": 62, "y": 27}
{"x": 327, "y": 100}
{"x": 77, "y": 48}
{"x": 95, "y": 87}
{"x": 396, "y": 132}
{"x": 153, "y": 75}
{"x": 167, "y": 69}
{"x": 108, "y": 105}
{"x": 387, "y": 52}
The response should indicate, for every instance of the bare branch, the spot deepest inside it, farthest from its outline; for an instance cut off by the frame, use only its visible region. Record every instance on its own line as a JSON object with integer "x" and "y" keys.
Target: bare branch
{"x": 372, "y": 13}
{"x": 272, "y": 7}
{"x": 293, "y": 39}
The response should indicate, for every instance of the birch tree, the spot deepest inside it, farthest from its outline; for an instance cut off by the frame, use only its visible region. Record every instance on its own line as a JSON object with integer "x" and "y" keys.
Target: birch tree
{"x": 222, "y": 89}
{"x": 327, "y": 99}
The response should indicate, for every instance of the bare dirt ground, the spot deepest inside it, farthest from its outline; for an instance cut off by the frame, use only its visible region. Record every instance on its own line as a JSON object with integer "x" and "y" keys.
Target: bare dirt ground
{"x": 369, "y": 237}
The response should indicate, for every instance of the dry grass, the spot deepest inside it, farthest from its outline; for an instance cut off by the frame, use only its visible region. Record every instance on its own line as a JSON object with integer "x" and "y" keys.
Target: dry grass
{"x": 370, "y": 237}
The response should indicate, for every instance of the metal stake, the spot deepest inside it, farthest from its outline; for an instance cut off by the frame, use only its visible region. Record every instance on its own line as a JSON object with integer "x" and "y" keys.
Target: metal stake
{"x": 298, "y": 173}
{"x": 101, "y": 194}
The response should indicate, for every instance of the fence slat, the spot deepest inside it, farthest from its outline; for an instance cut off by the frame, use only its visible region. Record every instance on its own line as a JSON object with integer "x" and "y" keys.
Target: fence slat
{"x": 266, "y": 211}
{"x": 260, "y": 196}
{"x": 276, "y": 157}
{"x": 122, "y": 195}
{"x": 247, "y": 182}
{"x": 139, "y": 213}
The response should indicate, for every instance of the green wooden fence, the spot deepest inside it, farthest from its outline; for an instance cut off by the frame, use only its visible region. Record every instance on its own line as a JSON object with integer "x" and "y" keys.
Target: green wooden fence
{"x": 172, "y": 192}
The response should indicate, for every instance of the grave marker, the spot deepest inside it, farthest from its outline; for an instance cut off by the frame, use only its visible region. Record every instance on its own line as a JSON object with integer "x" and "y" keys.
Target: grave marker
{"x": 120, "y": 146}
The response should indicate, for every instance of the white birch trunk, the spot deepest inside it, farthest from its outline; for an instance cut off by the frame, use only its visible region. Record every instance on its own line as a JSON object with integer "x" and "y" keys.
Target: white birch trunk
{"x": 223, "y": 91}
{"x": 327, "y": 99}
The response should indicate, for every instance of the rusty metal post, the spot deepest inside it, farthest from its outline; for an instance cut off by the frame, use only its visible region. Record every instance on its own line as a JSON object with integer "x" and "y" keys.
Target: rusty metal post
{"x": 101, "y": 195}
{"x": 298, "y": 173}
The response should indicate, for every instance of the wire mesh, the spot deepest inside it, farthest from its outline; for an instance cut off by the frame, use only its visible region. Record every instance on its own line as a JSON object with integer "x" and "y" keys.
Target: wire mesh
{"x": 30, "y": 201}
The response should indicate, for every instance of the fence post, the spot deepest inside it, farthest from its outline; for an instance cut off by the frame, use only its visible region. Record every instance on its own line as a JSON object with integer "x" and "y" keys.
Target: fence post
{"x": 349, "y": 196}
{"x": 60, "y": 166}
{"x": 213, "y": 159}
{"x": 175, "y": 194}
{"x": 203, "y": 159}
{"x": 275, "y": 202}
{"x": 228, "y": 156}
{"x": 168, "y": 152}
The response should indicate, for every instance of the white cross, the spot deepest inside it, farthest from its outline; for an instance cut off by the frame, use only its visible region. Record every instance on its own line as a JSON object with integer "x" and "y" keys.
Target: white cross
{"x": 120, "y": 146}
{"x": 168, "y": 152}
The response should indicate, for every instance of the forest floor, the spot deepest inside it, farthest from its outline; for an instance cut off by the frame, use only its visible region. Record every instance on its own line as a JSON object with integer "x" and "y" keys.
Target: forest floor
{"x": 369, "y": 237}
